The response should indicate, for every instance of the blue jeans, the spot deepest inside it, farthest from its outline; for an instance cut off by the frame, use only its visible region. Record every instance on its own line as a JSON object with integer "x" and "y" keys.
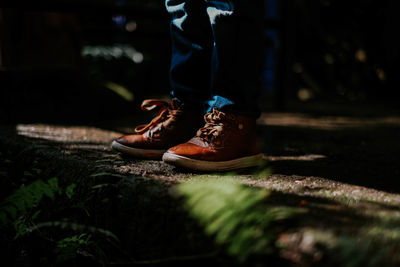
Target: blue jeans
{"x": 217, "y": 53}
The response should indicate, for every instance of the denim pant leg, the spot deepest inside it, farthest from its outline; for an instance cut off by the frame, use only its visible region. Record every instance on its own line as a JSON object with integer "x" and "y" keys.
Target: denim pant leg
{"x": 238, "y": 54}
{"x": 191, "y": 37}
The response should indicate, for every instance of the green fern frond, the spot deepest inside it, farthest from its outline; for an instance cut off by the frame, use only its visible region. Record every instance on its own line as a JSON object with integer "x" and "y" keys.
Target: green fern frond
{"x": 235, "y": 214}
{"x": 66, "y": 248}
{"x": 27, "y": 197}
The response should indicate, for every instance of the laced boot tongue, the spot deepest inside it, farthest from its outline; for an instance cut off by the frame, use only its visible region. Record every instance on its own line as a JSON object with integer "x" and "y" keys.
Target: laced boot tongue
{"x": 214, "y": 125}
{"x": 151, "y": 104}
{"x": 215, "y": 116}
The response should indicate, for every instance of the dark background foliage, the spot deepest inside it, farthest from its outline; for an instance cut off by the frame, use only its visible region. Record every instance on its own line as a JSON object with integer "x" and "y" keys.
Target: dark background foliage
{"x": 66, "y": 53}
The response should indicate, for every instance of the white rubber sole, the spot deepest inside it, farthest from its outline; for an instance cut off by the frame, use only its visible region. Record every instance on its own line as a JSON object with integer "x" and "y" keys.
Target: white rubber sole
{"x": 201, "y": 165}
{"x": 138, "y": 152}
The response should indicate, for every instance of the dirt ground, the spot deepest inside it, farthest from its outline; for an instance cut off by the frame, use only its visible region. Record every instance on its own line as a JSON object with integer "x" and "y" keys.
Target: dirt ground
{"x": 342, "y": 171}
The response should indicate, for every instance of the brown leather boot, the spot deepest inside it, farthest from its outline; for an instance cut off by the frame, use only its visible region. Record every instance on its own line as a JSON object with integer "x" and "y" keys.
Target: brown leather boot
{"x": 173, "y": 125}
{"x": 226, "y": 142}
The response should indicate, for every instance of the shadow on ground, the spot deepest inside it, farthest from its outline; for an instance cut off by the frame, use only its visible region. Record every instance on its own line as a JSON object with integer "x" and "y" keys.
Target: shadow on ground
{"x": 357, "y": 151}
{"x": 343, "y": 177}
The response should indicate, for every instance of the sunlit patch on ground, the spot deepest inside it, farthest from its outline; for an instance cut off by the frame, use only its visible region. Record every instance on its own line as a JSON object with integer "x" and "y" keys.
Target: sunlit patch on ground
{"x": 324, "y": 122}
{"x": 308, "y": 157}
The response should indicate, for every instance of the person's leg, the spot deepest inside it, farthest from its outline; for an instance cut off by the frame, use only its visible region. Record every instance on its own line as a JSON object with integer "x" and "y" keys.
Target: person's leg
{"x": 190, "y": 81}
{"x": 192, "y": 45}
{"x": 228, "y": 139}
{"x": 238, "y": 54}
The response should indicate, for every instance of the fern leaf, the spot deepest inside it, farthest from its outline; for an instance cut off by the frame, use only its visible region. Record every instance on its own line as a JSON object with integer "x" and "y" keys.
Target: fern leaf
{"x": 235, "y": 214}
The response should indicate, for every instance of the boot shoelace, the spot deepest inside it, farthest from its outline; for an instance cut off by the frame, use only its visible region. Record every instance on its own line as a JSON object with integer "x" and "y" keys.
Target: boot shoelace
{"x": 166, "y": 112}
{"x": 216, "y": 121}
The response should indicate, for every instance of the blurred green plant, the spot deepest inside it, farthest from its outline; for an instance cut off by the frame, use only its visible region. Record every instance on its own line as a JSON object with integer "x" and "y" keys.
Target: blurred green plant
{"x": 20, "y": 212}
{"x": 21, "y": 208}
{"x": 120, "y": 90}
{"x": 238, "y": 216}
{"x": 27, "y": 197}
{"x": 84, "y": 244}
{"x": 67, "y": 247}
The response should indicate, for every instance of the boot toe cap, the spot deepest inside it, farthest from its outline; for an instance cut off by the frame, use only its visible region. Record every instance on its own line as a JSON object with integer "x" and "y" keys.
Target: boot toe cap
{"x": 191, "y": 151}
